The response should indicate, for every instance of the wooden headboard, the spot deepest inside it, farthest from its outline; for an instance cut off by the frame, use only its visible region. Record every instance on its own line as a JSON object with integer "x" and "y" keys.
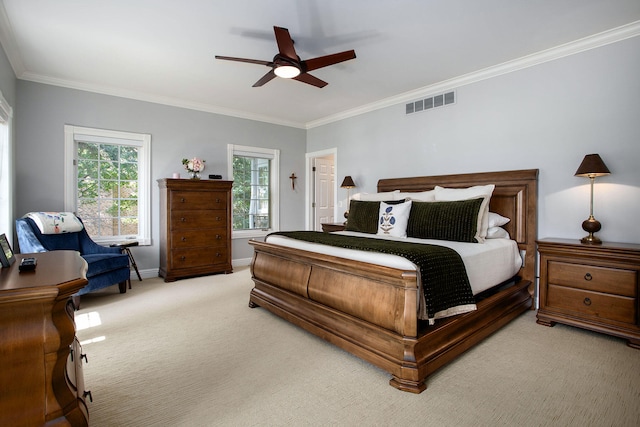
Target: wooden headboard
{"x": 515, "y": 197}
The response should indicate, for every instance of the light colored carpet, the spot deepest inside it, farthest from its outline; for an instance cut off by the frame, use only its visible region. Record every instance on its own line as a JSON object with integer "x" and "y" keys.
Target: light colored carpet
{"x": 191, "y": 353}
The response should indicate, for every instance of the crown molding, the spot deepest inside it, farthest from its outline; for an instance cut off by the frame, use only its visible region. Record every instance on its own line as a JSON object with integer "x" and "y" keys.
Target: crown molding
{"x": 587, "y": 43}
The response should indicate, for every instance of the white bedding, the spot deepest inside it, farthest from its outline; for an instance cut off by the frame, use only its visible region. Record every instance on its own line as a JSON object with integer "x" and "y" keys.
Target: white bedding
{"x": 487, "y": 264}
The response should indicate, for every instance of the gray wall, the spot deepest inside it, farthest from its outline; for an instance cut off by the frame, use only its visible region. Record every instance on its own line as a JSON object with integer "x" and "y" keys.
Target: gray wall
{"x": 43, "y": 110}
{"x": 546, "y": 117}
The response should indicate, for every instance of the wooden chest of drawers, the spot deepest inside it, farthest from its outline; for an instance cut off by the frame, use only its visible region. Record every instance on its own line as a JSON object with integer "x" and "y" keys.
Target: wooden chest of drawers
{"x": 195, "y": 227}
{"x": 591, "y": 286}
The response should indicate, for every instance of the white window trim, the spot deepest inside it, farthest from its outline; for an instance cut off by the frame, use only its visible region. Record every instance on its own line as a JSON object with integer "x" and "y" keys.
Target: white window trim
{"x": 144, "y": 174}
{"x": 274, "y": 155}
{"x": 6, "y": 169}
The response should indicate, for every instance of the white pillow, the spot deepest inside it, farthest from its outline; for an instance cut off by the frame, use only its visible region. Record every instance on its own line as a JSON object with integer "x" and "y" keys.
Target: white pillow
{"x": 497, "y": 233}
{"x": 393, "y": 219}
{"x": 376, "y": 197}
{"x": 475, "y": 192}
{"x": 421, "y": 196}
{"x": 497, "y": 220}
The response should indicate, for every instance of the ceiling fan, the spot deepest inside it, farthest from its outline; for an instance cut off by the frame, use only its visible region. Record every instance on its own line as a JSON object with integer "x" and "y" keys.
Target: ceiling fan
{"x": 288, "y": 65}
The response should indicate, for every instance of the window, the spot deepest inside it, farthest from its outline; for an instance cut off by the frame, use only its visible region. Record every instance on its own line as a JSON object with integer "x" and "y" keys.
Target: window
{"x": 255, "y": 174}
{"x": 6, "y": 171}
{"x": 107, "y": 183}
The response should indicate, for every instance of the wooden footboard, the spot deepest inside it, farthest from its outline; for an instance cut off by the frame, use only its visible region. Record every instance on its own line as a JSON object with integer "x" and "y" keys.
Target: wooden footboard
{"x": 383, "y": 296}
{"x": 371, "y": 311}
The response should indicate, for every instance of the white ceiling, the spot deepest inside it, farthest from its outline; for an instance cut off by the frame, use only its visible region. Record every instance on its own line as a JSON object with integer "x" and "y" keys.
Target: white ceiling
{"x": 163, "y": 50}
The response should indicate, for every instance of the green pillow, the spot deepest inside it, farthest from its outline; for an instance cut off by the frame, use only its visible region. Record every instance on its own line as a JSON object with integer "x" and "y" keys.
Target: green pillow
{"x": 455, "y": 221}
{"x": 363, "y": 216}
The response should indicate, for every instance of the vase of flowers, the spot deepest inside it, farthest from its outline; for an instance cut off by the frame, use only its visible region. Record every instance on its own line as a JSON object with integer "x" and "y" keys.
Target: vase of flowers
{"x": 194, "y": 166}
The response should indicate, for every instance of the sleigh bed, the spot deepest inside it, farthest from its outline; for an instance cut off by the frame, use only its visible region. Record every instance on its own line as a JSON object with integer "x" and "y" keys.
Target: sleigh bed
{"x": 371, "y": 310}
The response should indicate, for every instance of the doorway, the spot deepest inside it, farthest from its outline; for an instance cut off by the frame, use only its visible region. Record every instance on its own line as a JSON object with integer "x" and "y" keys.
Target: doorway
{"x": 321, "y": 190}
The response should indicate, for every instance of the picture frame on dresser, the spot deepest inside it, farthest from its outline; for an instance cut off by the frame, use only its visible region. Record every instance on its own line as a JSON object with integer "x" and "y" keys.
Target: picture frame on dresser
{"x": 6, "y": 254}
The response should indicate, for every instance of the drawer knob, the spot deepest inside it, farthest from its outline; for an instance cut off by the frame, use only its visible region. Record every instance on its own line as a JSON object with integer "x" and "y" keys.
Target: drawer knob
{"x": 183, "y": 219}
{"x": 182, "y": 200}
{"x": 588, "y": 277}
{"x": 218, "y": 237}
{"x": 184, "y": 239}
{"x": 218, "y": 218}
{"x": 182, "y": 258}
{"x": 587, "y": 301}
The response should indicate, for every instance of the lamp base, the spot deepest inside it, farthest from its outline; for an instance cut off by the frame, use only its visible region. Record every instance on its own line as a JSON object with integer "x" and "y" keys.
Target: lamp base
{"x": 591, "y": 240}
{"x": 591, "y": 226}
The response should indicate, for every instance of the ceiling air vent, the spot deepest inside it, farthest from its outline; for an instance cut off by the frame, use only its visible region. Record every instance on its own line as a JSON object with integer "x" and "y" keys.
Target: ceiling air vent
{"x": 431, "y": 102}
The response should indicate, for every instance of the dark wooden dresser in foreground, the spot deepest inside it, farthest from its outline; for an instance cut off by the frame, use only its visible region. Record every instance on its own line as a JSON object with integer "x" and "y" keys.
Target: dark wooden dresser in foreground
{"x": 594, "y": 287}
{"x": 195, "y": 227}
{"x": 41, "y": 381}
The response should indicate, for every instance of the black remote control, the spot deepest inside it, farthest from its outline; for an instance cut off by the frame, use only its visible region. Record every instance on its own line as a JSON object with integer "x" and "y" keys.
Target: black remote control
{"x": 28, "y": 264}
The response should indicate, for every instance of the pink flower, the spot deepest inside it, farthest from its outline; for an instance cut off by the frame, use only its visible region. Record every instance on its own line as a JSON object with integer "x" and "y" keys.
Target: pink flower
{"x": 193, "y": 165}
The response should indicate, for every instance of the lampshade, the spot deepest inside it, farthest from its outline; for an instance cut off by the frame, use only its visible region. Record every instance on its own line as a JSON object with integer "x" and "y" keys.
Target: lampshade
{"x": 592, "y": 166}
{"x": 287, "y": 71}
{"x": 348, "y": 182}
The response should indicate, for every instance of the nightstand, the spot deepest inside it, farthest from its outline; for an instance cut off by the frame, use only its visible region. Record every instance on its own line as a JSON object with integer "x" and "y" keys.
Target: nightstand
{"x": 336, "y": 226}
{"x": 594, "y": 287}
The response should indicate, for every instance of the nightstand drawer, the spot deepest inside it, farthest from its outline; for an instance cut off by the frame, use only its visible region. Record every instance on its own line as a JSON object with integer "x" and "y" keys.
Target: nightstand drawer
{"x": 594, "y": 304}
{"x": 599, "y": 279}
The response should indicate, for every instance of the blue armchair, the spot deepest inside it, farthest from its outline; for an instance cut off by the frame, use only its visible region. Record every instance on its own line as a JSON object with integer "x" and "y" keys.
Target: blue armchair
{"x": 106, "y": 265}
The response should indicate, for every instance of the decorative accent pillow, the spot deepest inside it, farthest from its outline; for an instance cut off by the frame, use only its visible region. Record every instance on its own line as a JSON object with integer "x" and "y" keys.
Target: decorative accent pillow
{"x": 484, "y": 191}
{"x": 393, "y": 219}
{"x": 497, "y": 220}
{"x": 56, "y": 222}
{"x": 455, "y": 220}
{"x": 363, "y": 216}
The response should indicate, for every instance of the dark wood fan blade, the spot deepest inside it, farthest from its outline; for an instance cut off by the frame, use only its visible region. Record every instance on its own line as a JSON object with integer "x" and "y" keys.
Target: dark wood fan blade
{"x": 265, "y": 79}
{"x": 285, "y": 43}
{"x": 324, "y": 61}
{"x": 309, "y": 79}
{"x": 251, "y": 61}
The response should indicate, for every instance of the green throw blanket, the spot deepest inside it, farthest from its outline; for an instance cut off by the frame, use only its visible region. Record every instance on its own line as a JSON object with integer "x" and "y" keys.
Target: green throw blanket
{"x": 444, "y": 278}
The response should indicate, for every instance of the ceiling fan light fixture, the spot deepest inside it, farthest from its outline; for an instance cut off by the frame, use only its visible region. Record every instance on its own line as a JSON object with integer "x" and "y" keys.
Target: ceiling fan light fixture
{"x": 287, "y": 71}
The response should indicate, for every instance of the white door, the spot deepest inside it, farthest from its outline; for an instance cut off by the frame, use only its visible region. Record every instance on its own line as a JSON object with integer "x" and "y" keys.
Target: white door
{"x": 324, "y": 177}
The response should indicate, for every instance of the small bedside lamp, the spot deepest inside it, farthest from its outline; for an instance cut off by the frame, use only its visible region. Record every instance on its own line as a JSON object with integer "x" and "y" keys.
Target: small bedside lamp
{"x": 348, "y": 184}
{"x": 591, "y": 167}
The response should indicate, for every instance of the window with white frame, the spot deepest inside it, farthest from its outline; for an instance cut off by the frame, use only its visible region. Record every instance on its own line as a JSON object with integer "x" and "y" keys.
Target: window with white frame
{"x": 6, "y": 190}
{"x": 107, "y": 183}
{"x": 255, "y": 173}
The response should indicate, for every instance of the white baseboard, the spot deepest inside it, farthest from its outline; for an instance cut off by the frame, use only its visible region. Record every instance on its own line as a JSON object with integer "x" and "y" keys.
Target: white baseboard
{"x": 243, "y": 262}
{"x": 153, "y": 272}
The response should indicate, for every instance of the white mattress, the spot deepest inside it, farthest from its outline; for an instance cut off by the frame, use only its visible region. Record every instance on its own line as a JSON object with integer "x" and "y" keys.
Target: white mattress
{"x": 487, "y": 264}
